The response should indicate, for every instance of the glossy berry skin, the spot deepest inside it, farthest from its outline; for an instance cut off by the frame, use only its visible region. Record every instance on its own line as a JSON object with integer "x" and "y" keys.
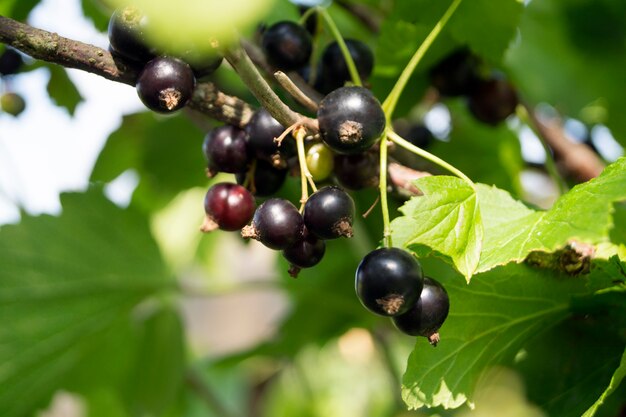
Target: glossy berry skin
{"x": 277, "y": 224}
{"x": 287, "y": 45}
{"x": 350, "y": 119}
{"x": 165, "y": 84}
{"x": 267, "y": 178}
{"x": 230, "y": 206}
{"x": 389, "y": 281}
{"x": 306, "y": 252}
{"x": 127, "y": 34}
{"x": 226, "y": 149}
{"x": 329, "y": 212}
{"x": 493, "y": 101}
{"x": 262, "y": 129}
{"x": 427, "y": 315}
{"x": 10, "y": 62}
{"x": 12, "y": 103}
{"x": 334, "y": 68}
{"x": 456, "y": 74}
{"x": 358, "y": 171}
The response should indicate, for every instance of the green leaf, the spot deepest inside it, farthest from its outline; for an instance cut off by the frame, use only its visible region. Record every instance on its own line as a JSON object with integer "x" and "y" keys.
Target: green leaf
{"x": 17, "y": 9}
{"x": 97, "y": 12}
{"x": 446, "y": 219}
{"x": 62, "y": 90}
{"x": 618, "y": 231}
{"x": 583, "y": 214}
{"x": 165, "y": 152}
{"x": 617, "y": 378}
{"x": 489, "y": 321}
{"x": 64, "y": 281}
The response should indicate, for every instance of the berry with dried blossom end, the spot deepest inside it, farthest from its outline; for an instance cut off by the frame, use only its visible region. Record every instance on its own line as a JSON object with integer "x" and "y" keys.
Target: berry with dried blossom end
{"x": 165, "y": 84}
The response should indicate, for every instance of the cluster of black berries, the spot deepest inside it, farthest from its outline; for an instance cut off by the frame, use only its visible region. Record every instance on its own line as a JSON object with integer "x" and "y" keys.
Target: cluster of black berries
{"x": 10, "y": 63}
{"x": 166, "y": 82}
{"x": 490, "y": 99}
{"x": 390, "y": 282}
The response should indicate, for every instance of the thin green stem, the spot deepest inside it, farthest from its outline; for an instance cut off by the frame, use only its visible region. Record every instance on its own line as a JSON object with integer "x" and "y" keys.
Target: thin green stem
{"x": 354, "y": 74}
{"x": 522, "y": 113}
{"x": 392, "y": 99}
{"x": 305, "y": 175}
{"x": 382, "y": 187}
{"x": 306, "y": 15}
{"x": 395, "y": 138}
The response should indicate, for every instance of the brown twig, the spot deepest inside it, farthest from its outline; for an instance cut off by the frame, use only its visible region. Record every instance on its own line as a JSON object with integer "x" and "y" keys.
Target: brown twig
{"x": 53, "y": 48}
{"x": 402, "y": 178}
{"x": 289, "y": 86}
{"x": 575, "y": 158}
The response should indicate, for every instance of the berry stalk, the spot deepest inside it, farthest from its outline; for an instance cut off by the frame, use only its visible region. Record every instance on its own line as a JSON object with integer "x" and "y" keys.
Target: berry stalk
{"x": 305, "y": 175}
{"x": 392, "y": 99}
{"x": 382, "y": 187}
{"x": 354, "y": 73}
{"x": 395, "y": 138}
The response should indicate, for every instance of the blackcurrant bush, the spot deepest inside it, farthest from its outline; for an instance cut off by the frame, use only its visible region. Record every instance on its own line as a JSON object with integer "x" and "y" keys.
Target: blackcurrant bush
{"x": 358, "y": 171}
{"x": 305, "y": 253}
{"x": 456, "y": 74}
{"x": 493, "y": 101}
{"x": 350, "y": 120}
{"x": 127, "y": 34}
{"x": 226, "y": 149}
{"x": 276, "y": 223}
{"x": 319, "y": 161}
{"x": 334, "y": 68}
{"x": 267, "y": 178}
{"x": 428, "y": 313}
{"x": 287, "y": 45}
{"x": 329, "y": 212}
{"x": 165, "y": 84}
{"x": 12, "y": 103}
{"x": 228, "y": 207}
{"x": 389, "y": 281}
{"x": 10, "y": 62}
{"x": 262, "y": 129}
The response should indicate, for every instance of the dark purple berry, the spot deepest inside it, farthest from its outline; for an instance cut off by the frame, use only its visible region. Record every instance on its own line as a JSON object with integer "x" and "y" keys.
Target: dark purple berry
{"x": 334, "y": 68}
{"x": 310, "y": 24}
{"x": 226, "y": 149}
{"x": 276, "y": 223}
{"x": 389, "y": 281}
{"x": 262, "y": 129}
{"x": 456, "y": 74}
{"x": 165, "y": 84}
{"x": 329, "y": 212}
{"x": 10, "y": 62}
{"x": 228, "y": 207}
{"x": 427, "y": 315}
{"x": 287, "y": 45}
{"x": 267, "y": 178}
{"x": 493, "y": 101}
{"x": 127, "y": 34}
{"x": 358, "y": 171}
{"x": 351, "y": 120}
{"x": 306, "y": 252}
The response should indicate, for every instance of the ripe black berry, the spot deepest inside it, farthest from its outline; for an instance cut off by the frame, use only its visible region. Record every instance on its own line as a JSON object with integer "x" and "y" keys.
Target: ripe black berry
{"x": 287, "y": 45}
{"x": 127, "y": 34}
{"x": 358, "y": 171}
{"x": 226, "y": 149}
{"x": 389, "y": 281}
{"x": 329, "y": 212}
{"x": 493, "y": 101}
{"x": 12, "y": 104}
{"x": 276, "y": 223}
{"x": 262, "y": 129}
{"x": 267, "y": 178}
{"x": 350, "y": 120}
{"x": 165, "y": 84}
{"x": 228, "y": 207}
{"x": 10, "y": 62}
{"x": 456, "y": 74}
{"x": 305, "y": 253}
{"x": 334, "y": 68}
{"x": 427, "y": 314}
